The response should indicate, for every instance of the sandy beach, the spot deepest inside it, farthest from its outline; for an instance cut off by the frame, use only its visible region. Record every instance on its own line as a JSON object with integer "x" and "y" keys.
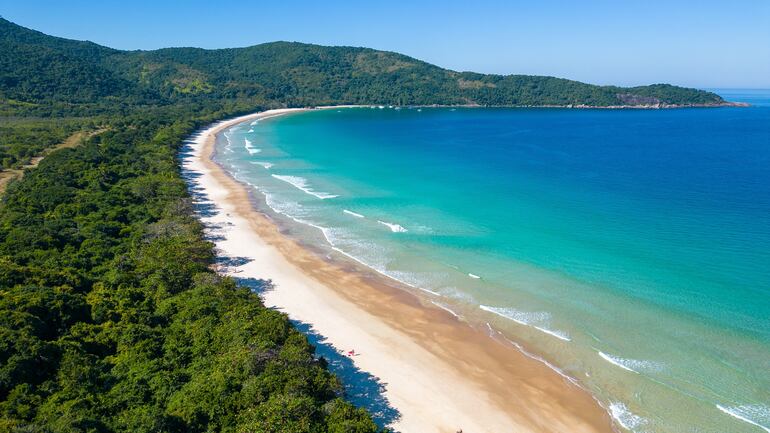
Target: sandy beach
{"x": 440, "y": 374}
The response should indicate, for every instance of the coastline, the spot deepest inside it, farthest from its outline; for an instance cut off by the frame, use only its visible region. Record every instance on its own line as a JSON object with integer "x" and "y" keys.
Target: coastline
{"x": 658, "y": 106}
{"x": 440, "y": 374}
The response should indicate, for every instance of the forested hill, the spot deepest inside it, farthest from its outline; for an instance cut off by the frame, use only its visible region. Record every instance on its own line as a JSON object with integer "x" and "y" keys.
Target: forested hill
{"x": 41, "y": 72}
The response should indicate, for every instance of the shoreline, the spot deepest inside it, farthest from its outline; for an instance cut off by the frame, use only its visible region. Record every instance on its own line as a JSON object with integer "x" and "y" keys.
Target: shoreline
{"x": 440, "y": 374}
{"x": 659, "y": 106}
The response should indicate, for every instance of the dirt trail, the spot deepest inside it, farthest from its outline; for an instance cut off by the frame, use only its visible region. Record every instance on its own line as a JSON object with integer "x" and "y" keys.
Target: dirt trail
{"x": 6, "y": 176}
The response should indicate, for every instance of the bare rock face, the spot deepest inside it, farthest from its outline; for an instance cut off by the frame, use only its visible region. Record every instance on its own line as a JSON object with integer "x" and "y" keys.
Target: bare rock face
{"x": 631, "y": 99}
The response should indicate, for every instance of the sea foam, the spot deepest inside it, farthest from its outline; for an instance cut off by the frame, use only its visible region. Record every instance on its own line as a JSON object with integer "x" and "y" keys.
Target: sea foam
{"x": 301, "y": 184}
{"x": 229, "y": 145}
{"x": 395, "y": 228}
{"x": 755, "y": 414}
{"x": 455, "y": 293}
{"x": 633, "y": 365}
{"x": 350, "y": 212}
{"x": 400, "y": 277}
{"x": 410, "y": 279}
{"x": 292, "y": 209}
{"x": 536, "y": 320}
{"x": 445, "y": 308}
{"x": 333, "y": 238}
{"x": 250, "y": 147}
{"x": 625, "y": 417}
{"x": 266, "y": 165}
{"x": 533, "y": 356}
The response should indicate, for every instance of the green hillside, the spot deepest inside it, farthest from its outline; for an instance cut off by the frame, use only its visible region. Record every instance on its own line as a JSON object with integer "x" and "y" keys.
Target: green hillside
{"x": 35, "y": 68}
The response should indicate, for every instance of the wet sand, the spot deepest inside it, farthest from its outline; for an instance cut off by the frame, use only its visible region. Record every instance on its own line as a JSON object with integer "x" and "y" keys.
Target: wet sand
{"x": 440, "y": 374}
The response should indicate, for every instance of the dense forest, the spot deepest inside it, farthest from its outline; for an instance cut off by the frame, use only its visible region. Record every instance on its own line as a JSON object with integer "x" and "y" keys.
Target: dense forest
{"x": 47, "y": 75}
{"x": 111, "y": 318}
{"x": 22, "y": 139}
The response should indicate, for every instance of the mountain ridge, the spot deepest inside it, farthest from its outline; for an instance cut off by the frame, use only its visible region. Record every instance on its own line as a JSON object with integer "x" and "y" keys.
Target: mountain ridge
{"x": 43, "y": 69}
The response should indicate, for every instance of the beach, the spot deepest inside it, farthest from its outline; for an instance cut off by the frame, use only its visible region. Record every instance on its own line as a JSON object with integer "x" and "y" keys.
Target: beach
{"x": 440, "y": 374}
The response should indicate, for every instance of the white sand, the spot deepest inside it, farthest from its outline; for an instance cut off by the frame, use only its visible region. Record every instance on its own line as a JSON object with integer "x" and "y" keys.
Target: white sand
{"x": 431, "y": 394}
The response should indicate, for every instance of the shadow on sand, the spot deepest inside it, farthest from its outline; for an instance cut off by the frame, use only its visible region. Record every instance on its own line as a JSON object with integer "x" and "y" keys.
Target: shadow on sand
{"x": 361, "y": 388}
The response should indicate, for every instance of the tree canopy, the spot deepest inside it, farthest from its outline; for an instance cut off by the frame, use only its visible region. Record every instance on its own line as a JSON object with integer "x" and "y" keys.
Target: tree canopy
{"x": 36, "y": 69}
{"x": 111, "y": 319}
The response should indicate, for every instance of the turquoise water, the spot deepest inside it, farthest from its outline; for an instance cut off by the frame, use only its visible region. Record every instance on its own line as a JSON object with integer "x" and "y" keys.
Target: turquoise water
{"x": 629, "y": 248}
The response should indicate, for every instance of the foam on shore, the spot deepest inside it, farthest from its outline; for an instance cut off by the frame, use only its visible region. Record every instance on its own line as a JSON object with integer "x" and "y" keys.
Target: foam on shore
{"x": 302, "y": 184}
{"x": 633, "y": 365}
{"x": 754, "y": 414}
{"x": 250, "y": 147}
{"x": 430, "y": 396}
{"x": 535, "y": 320}
{"x": 265, "y": 165}
{"x": 350, "y": 212}
{"x": 395, "y": 228}
{"x": 625, "y": 418}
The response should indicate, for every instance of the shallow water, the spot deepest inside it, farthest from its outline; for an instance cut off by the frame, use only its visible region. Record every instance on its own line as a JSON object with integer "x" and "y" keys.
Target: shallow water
{"x": 630, "y": 248}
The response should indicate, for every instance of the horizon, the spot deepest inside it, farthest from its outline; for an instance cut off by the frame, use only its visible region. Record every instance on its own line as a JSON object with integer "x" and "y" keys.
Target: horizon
{"x": 706, "y": 45}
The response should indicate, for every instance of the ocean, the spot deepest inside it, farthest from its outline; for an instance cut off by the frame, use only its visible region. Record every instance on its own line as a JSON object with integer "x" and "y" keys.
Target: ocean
{"x": 629, "y": 249}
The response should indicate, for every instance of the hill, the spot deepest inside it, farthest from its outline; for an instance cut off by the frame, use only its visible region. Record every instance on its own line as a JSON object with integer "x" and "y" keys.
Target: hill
{"x": 39, "y": 69}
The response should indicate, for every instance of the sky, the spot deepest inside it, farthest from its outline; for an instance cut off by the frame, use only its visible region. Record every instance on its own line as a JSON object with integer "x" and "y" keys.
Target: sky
{"x": 704, "y": 44}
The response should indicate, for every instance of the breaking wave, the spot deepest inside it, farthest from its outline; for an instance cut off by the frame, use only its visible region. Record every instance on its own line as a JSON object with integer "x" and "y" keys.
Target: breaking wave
{"x": 625, "y": 417}
{"x": 754, "y": 414}
{"x": 350, "y": 212}
{"x": 395, "y": 228}
{"x": 301, "y": 184}
{"x": 633, "y": 365}
{"x": 536, "y": 320}
{"x": 250, "y": 147}
{"x": 266, "y": 165}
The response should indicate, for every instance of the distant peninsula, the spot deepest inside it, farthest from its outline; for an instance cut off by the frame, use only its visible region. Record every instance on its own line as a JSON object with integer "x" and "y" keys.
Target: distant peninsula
{"x": 45, "y": 75}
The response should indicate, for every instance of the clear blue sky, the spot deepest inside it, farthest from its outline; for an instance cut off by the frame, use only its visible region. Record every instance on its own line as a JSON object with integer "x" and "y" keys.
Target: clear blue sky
{"x": 704, "y": 43}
